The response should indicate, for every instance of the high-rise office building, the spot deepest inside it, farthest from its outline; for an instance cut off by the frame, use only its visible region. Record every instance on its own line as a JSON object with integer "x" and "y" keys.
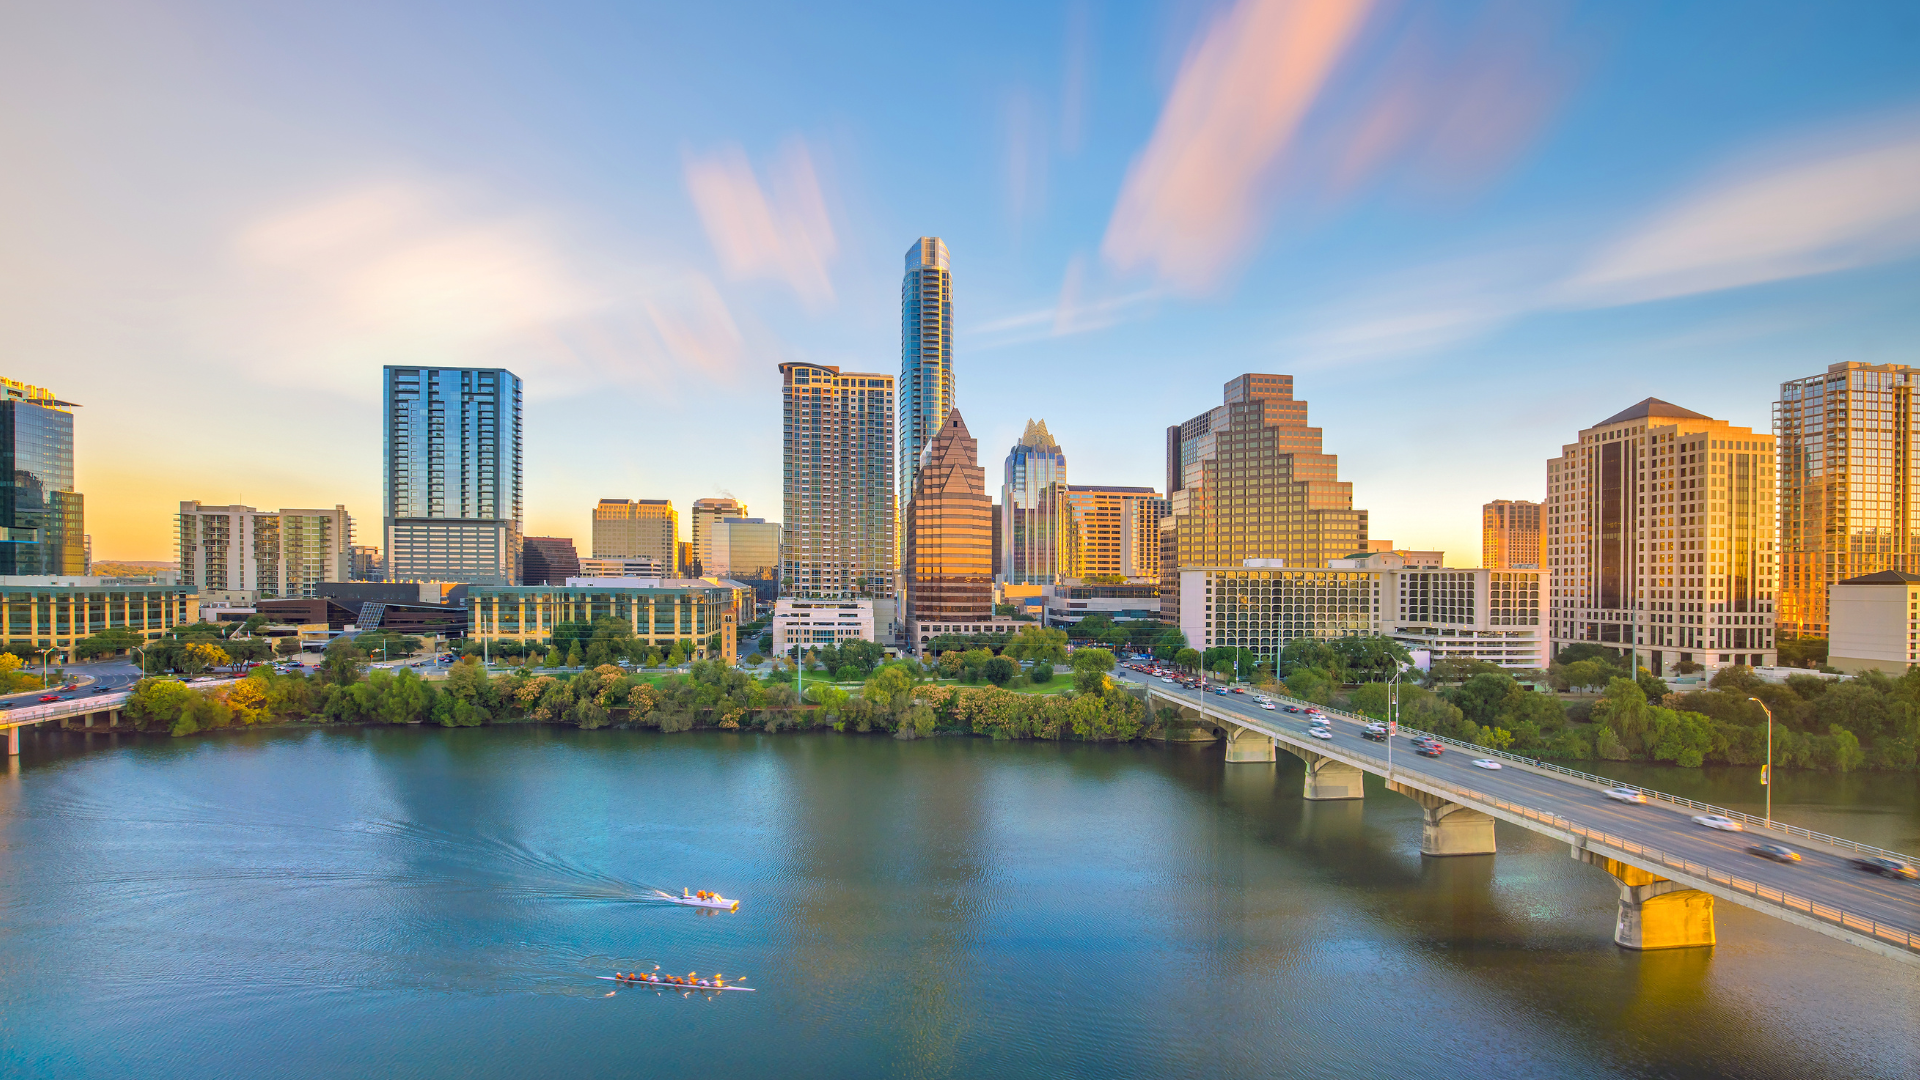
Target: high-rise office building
{"x": 949, "y": 526}
{"x": 549, "y": 560}
{"x": 1140, "y": 518}
{"x": 367, "y": 563}
{"x": 452, "y": 480}
{"x": 1661, "y": 539}
{"x": 1510, "y": 535}
{"x": 1033, "y": 511}
{"x": 44, "y": 519}
{"x": 276, "y": 554}
{"x": 1096, "y": 534}
{"x": 1248, "y": 480}
{"x": 837, "y": 484}
{"x": 747, "y": 549}
{"x": 705, "y": 515}
{"x": 926, "y": 354}
{"x": 1849, "y": 444}
{"x": 638, "y": 529}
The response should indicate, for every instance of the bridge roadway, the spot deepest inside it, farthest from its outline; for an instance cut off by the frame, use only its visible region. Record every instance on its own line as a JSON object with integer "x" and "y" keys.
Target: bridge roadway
{"x": 1669, "y": 868}
{"x": 103, "y": 694}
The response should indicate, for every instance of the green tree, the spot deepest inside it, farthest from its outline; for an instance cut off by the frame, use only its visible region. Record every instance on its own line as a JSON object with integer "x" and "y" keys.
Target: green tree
{"x": 1090, "y": 668}
{"x": 157, "y": 703}
{"x": 1624, "y": 709}
{"x": 342, "y": 663}
{"x": 1000, "y": 670}
{"x": 107, "y": 642}
{"x": 1187, "y": 659}
{"x": 1042, "y": 672}
{"x": 1310, "y": 684}
{"x": 287, "y": 646}
{"x": 1680, "y": 737}
{"x": 574, "y": 658}
{"x": 1038, "y": 643}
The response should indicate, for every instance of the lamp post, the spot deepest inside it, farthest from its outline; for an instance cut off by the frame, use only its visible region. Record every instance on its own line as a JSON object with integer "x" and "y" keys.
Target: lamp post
{"x": 42, "y": 654}
{"x": 1766, "y": 771}
{"x": 143, "y": 658}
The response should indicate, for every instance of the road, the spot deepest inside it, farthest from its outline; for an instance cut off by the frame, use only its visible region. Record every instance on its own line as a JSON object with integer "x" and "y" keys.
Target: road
{"x": 1822, "y": 876}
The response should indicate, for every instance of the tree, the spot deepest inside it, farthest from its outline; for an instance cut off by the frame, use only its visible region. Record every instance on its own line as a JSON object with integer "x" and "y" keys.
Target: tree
{"x": 1310, "y": 684}
{"x": 287, "y": 646}
{"x": 342, "y": 663}
{"x": 1624, "y": 710}
{"x": 1000, "y": 670}
{"x": 466, "y": 680}
{"x": 1090, "y": 667}
{"x": 883, "y": 684}
{"x": 1169, "y": 642}
{"x": 1038, "y": 644}
{"x": 574, "y": 659}
{"x": 107, "y": 642}
{"x": 198, "y": 656}
{"x": 1187, "y": 659}
{"x": 157, "y": 703}
{"x": 1481, "y": 697}
{"x": 1042, "y": 673}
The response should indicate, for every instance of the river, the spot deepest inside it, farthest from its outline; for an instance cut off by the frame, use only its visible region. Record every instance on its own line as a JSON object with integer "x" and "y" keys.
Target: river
{"x": 424, "y": 903}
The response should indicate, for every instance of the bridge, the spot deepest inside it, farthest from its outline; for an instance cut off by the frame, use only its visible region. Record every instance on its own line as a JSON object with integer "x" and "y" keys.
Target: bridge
{"x": 1670, "y": 871}
{"x": 84, "y": 709}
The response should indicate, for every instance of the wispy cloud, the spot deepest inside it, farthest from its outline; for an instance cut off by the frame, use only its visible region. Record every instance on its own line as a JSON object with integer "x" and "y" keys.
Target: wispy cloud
{"x": 1809, "y": 210}
{"x": 780, "y": 231}
{"x": 697, "y": 329}
{"x": 1084, "y": 304}
{"x": 1190, "y": 206}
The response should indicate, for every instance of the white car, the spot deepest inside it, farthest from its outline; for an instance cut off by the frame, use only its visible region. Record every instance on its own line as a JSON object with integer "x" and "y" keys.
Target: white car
{"x": 1267, "y": 705}
{"x": 1164, "y": 679}
{"x": 1717, "y": 821}
{"x": 1485, "y": 763}
{"x": 1320, "y": 733}
{"x": 1625, "y": 794}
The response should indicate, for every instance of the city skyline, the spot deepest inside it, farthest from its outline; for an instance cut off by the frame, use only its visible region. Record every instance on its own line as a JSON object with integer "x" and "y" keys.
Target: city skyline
{"x": 1540, "y": 243}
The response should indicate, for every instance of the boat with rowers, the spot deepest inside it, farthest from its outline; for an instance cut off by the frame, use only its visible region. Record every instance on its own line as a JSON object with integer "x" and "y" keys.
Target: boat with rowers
{"x": 701, "y": 899}
{"x": 691, "y": 981}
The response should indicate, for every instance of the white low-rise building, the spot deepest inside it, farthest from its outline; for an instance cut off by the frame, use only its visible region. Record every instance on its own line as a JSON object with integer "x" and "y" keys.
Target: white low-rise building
{"x": 1874, "y": 623}
{"x": 809, "y": 623}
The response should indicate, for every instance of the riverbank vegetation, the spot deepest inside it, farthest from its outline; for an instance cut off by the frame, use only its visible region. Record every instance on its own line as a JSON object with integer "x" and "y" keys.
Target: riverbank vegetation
{"x": 897, "y": 697}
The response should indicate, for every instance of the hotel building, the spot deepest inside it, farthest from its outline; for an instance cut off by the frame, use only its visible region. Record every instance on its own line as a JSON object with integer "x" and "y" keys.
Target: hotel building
{"x": 837, "y": 484}
{"x": 452, "y": 478}
{"x": 638, "y": 529}
{"x": 42, "y": 518}
{"x": 1849, "y": 463}
{"x": 1661, "y": 539}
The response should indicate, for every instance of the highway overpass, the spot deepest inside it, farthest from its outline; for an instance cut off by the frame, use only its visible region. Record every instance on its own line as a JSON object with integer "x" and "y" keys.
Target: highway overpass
{"x": 1669, "y": 869}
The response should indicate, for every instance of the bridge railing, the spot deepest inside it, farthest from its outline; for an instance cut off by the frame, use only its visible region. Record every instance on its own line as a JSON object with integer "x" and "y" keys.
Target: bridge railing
{"x": 1773, "y": 825}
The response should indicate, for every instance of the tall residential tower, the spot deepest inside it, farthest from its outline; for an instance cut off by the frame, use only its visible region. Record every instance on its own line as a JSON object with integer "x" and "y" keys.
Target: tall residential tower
{"x": 1660, "y": 535}
{"x": 837, "y": 484}
{"x": 926, "y": 354}
{"x": 1849, "y": 484}
{"x": 452, "y": 479}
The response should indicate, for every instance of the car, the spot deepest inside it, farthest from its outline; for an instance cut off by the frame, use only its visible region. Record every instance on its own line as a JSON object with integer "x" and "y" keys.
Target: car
{"x": 1625, "y": 794}
{"x": 1776, "y": 852}
{"x": 1486, "y": 763}
{"x": 1166, "y": 680}
{"x": 1429, "y": 749}
{"x": 1718, "y": 821}
{"x": 49, "y": 697}
{"x": 1374, "y": 734}
{"x": 71, "y": 686}
{"x": 1267, "y": 705}
{"x": 1874, "y": 864}
{"x": 8, "y": 704}
{"x": 1291, "y": 708}
{"x": 1320, "y": 733}
{"x": 1221, "y": 690}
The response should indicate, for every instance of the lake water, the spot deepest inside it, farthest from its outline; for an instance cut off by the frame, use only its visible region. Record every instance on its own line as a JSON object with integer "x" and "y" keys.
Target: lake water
{"x": 424, "y": 903}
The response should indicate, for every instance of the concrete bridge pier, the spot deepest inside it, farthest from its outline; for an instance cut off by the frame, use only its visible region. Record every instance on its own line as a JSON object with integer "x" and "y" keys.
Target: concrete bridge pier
{"x": 1449, "y": 828}
{"x": 1246, "y": 744}
{"x": 1655, "y": 913}
{"x": 1330, "y": 779}
{"x": 13, "y": 741}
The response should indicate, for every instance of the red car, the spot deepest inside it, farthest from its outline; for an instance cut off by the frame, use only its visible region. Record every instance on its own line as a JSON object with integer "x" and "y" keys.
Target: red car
{"x": 49, "y": 697}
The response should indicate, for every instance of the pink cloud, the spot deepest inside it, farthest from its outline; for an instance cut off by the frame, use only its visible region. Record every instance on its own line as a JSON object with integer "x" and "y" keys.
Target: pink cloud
{"x": 1191, "y": 204}
{"x": 780, "y": 231}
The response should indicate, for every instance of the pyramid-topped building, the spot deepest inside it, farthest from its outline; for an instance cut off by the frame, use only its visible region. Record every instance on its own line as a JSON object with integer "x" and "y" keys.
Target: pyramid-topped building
{"x": 949, "y": 533}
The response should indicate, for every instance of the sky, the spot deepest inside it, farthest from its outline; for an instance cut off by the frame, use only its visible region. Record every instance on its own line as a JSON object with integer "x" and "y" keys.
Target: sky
{"x": 1466, "y": 229}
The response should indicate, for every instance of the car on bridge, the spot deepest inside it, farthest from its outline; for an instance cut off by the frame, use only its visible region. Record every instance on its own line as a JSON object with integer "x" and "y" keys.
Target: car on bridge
{"x": 1267, "y": 705}
{"x": 49, "y": 697}
{"x": 1486, "y": 763}
{"x": 1375, "y": 732}
{"x": 1776, "y": 852}
{"x": 1429, "y": 749}
{"x": 1718, "y": 821}
{"x": 1320, "y": 733}
{"x": 1894, "y": 868}
{"x": 1625, "y": 794}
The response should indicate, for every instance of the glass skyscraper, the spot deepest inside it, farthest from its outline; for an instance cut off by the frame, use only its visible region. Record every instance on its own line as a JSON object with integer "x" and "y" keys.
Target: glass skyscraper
{"x": 452, "y": 479}
{"x": 926, "y": 355}
{"x": 43, "y": 517}
{"x": 1034, "y": 514}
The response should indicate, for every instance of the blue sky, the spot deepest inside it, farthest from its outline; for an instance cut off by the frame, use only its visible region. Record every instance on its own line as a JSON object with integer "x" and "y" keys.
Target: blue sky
{"x": 1467, "y": 229}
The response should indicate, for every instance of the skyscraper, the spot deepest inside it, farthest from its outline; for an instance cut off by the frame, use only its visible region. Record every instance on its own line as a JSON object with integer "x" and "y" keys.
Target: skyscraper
{"x": 837, "y": 483}
{"x": 1140, "y": 518}
{"x": 638, "y": 529}
{"x": 44, "y": 518}
{"x": 706, "y": 514}
{"x": 926, "y": 354}
{"x": 283, "y": 554}
{"x": 1096, "y": 535}
{"x": 1510, "y": 534}
{"x": 1033, "y": 509}
{"x": 1849, "y": 487}
{"x": 949, "y": 526}
{"x": 1660, "y": 535}
{"x": 748, "y": 550}
{"x": 1248, "y": 480}
{"x": 549, "y": 560}
{"x": 452, "y": 481}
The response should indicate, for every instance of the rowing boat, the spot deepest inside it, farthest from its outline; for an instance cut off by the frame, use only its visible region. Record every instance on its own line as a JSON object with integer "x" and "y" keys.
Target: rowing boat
{"x": 717, "y": 903}
{"x": 664, "y": 985}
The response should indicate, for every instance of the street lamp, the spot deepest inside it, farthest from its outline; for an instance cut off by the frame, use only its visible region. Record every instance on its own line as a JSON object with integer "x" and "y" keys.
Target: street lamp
{"x": 143, "y": 658}
{"x": 42, "y": 654}
{"x": 1766, "y": 771}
